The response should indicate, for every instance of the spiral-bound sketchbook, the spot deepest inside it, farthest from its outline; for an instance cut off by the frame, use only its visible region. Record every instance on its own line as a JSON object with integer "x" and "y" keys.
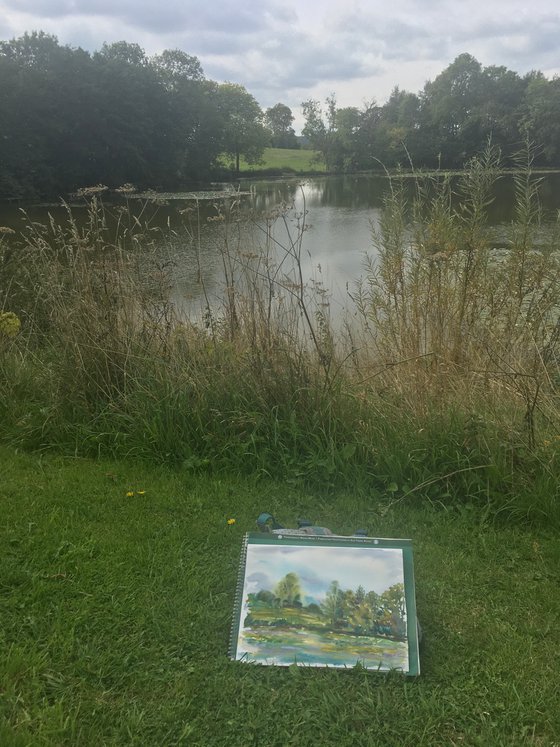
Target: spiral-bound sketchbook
{"x": 326, "y": 601}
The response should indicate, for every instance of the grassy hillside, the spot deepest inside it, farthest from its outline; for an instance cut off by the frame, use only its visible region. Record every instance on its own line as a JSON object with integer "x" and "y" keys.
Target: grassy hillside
{"x": 297, "y": 160}
{"x": 117, "y": 586}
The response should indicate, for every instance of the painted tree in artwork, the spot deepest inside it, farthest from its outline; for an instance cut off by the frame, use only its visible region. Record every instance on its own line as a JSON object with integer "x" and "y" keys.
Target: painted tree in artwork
{"x": 288, "y": 591}
{"x": 333, "y": 606}
{"x": 394, "y": 600}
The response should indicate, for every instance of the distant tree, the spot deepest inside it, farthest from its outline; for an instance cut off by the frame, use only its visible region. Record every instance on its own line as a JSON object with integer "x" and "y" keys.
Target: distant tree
{"x": 123, "y": 51}
{"x": 541, "y": 120}
{"x": 397, "y": 127}
{"x": 501, "y": 108}
{"x": 176, "y": 67}
{"x": 47, "y": 92}
{"x": 279, "y": 119}
{"x": 314, "y": 129}
{"x": 132, "y": 118}
{"x": 361, "y": 618}
{"x": 448, "y": 106}
{"x": 344, "y": 152}
{"x": 242, "y": 129}
{"x": 193, "y": 124}
{"x": 360, "y": 594}
{"x": 320, "y": 130}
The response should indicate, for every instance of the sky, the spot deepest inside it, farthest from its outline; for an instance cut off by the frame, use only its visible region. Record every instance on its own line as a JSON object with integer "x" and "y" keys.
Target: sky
{"x": 286, "y": 51}
{"x": 373, "y": 568}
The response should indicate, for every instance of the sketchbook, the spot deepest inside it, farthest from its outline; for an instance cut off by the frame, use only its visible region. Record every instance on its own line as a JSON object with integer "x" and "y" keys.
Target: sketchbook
{"x": 326, "y": 601}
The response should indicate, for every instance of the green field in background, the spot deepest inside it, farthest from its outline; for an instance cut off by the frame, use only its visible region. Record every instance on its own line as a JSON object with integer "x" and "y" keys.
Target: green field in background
{"x": 298, "y": 160}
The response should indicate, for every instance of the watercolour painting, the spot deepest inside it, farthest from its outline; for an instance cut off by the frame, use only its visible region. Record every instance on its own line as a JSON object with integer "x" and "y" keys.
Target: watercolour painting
{"x": 325, "y": 604}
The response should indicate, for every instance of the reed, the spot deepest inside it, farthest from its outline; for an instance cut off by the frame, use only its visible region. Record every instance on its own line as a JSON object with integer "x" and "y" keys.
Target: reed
{"x": 446, "y": 389}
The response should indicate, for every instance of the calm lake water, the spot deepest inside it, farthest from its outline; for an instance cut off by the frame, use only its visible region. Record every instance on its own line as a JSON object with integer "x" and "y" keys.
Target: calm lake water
{"x": 338, "y": 214}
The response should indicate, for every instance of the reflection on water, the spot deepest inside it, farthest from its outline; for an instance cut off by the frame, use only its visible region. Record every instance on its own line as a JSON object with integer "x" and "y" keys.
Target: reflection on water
{"x": 337, "y": 213}
{"x": 336, "y": 216}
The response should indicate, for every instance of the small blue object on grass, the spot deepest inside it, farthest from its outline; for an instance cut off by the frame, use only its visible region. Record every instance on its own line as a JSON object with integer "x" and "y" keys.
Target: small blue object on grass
{"x": 267, "y": 523}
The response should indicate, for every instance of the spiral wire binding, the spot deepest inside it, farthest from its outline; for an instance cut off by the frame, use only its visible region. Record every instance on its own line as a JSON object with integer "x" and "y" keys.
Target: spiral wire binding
{"x": 238, "y": 601}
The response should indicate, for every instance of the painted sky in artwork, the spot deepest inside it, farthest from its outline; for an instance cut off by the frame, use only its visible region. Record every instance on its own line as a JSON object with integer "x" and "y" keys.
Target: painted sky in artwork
{"x": 373, "y": 568}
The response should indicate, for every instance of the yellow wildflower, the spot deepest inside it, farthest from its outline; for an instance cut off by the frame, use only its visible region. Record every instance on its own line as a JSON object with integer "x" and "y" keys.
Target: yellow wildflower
{"x": 130, "y": 494}
{"x": 231, "y": 521}
{"x": 9, "y": 323}
{"x": 140, "y": 492}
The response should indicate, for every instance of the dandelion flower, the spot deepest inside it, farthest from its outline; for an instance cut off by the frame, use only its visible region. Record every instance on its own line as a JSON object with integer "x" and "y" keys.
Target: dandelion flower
{"x": 130, "y": 494}
{"x": 231, "y": 521}
{"x": 140, "y": 492}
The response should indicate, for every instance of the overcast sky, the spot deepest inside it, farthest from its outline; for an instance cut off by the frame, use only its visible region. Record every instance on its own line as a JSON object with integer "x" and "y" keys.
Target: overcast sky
{"x": 288, "y": 51}
{"x": 373, "y": 568}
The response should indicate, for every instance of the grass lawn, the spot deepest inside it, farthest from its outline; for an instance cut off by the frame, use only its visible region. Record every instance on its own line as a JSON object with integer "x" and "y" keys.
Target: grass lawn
{"x": 115, "y": 615}
{"x": 298, "y": 160}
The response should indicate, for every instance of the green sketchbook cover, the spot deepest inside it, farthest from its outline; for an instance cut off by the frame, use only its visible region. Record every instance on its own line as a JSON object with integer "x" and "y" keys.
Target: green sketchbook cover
{"x": 326, "y": 602}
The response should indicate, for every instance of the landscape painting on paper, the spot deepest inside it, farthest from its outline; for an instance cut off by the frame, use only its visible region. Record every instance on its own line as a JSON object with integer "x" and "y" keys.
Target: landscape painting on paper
{"x": 324, "y": 606}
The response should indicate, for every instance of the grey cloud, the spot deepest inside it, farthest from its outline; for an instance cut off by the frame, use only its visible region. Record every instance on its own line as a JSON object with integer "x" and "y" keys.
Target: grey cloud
{"x": 210, "y": 43}
{"x": 262, "y": 46}
{"x": 392, "y": 38}
{"x": 544, "y": 26}
{"x": 169, "y": 16}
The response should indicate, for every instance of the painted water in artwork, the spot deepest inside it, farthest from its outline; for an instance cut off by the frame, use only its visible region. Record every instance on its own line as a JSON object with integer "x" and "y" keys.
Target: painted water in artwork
{"x": 324, "y": 606}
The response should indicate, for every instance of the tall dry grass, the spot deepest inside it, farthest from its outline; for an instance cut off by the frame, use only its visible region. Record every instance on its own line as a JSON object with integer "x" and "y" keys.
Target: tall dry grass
{"x": 446, "y": 389}
{"x": 455, "y": 316}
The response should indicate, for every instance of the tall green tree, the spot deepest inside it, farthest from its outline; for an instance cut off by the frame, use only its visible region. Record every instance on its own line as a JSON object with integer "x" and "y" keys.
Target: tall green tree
{"x": 176, "y": 67}
{"x": 397, "y": 127}
{"x": 501, "y": 109}
{"x": 279, "y": 119}
{"x": 321, "y": 130}
{"x": 541, "y": 120}
{"x": 134, "y": 111}
{"x": 193, "y": 124}
{"x": 448, "y": 105}
{"x": 46, "y": 91}
{"x": 314, "y": 128}
{"x": 242, "y": 129}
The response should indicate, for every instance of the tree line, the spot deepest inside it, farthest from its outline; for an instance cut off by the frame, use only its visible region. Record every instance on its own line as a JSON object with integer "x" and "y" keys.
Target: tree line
{"x": 70, "y": 119}
{"x": 448, "y": 122}
{"x": 355, "y": 611}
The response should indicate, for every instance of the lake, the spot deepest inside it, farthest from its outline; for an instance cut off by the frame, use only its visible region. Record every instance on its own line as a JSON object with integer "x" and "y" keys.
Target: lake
{"x": 338, "y": 214}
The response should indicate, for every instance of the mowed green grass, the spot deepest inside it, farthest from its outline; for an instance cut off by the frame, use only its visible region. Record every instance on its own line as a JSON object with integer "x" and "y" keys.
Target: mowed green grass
{"x": 115, "y": 615}
{"x": 298, "y": 160}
